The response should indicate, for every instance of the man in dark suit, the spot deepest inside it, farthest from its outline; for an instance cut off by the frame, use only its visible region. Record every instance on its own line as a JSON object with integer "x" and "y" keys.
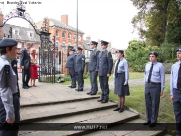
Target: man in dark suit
{"x": 70, "y": 65}
{"x": 105, "y": 64}
{"x": 25, "y": 65}
{"x": 93, "y": 68}
{"x": 79, "y": 69}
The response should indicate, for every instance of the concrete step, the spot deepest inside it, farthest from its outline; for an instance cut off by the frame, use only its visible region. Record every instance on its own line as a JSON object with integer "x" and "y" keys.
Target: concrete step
{"x": 37, "y": 113}
{"x": 106, "y": 117}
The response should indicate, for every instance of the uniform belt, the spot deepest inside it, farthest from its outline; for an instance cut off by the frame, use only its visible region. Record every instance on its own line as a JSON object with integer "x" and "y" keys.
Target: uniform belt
{"x": 121, "y": 73}
{"x": 154, "y": 83}
{"x": 16, "y": 94}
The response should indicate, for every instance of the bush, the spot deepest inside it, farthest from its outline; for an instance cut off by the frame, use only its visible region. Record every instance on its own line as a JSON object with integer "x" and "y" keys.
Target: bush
{"x": 67, "y": 78}
{"x": 86, "y": 75}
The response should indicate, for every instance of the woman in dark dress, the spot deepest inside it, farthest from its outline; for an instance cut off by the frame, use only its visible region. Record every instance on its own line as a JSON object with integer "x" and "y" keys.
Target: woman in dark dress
{"x": 121, "y": 76}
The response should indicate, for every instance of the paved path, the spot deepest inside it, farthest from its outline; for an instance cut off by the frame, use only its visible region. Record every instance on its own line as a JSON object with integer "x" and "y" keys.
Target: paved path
{"x": 47, "y": 92}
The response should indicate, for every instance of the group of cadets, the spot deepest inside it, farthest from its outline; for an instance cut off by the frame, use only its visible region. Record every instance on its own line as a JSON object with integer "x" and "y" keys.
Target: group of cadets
{"x": 101, "y": 64}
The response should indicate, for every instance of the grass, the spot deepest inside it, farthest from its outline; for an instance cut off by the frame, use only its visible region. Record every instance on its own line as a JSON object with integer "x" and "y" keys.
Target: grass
{"x": 136, "y": 101}
{"x": 132, "y": 75}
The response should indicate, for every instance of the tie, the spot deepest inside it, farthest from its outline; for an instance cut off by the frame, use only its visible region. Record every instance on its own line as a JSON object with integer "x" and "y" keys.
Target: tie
{"x": 149, "y": 76}
{"x": 179, "y": 78}
{"x": 116, "y": 69}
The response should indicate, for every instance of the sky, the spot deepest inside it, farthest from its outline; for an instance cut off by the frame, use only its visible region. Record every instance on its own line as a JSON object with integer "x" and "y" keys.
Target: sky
{"x": 108, "y": 20}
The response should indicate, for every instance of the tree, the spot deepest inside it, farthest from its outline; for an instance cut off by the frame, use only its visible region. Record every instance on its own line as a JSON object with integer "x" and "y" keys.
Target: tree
{"x": 153, "y": 18}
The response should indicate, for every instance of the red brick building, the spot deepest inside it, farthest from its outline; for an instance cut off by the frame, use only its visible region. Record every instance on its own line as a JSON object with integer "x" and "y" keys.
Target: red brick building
{"x": 65, "y": 37}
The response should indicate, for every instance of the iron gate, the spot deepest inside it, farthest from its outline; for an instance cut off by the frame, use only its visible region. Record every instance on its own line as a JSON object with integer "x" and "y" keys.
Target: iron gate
{"x": 47, "y": 50}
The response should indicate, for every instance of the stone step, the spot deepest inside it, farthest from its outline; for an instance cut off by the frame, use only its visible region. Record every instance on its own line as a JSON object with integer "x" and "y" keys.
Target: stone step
{"x": 37, "y": 113}
{"x": 45, "y": 101}
{"x": 106, "y": 117}
{"x": 131, "y": 128}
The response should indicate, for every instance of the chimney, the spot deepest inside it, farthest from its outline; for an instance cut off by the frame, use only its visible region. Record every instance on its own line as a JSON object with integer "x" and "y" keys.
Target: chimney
{"x": 64, "y": 19}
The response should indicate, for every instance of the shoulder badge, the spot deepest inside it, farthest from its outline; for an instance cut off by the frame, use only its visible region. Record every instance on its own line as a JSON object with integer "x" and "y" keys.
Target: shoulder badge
{"x": 7, "y": 69}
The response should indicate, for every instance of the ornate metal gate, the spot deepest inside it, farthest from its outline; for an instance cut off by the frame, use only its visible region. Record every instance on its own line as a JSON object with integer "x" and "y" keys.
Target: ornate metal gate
{"x": 47, "y": 50}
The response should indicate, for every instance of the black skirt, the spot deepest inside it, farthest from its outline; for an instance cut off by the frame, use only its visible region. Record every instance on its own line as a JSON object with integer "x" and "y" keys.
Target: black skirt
{"x": 119, "y": 88}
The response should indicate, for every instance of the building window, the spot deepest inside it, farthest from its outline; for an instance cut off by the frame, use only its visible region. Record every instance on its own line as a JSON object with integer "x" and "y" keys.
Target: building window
{"x": 69, "y": 36}
{"x": 69, "y": 44}
{"x": 63, "y": 44}
{"x": 16, "y": 32}
{"x": 63, "y": 34}
{"x": 57, "y": 33}
{"x": 56, "y": 44}
{"x": 79, "y": 38}
{"x": 75, "y": 38}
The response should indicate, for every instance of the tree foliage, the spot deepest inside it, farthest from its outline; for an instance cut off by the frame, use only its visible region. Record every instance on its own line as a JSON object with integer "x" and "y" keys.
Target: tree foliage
{"x": 154, "y": 17}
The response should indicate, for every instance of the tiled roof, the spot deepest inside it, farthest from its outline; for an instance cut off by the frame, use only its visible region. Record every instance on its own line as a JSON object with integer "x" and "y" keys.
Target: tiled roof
{"x": 62, "y": 25}
{"x": 23, "y": 33}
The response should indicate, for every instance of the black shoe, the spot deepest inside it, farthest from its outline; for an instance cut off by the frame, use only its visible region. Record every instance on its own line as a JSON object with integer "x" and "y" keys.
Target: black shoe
{"x": 152, "y": 125}
{"x": 147, "y": 123}
{"x": 121, "y": 110}
{"x": 78, "y": 90}
{"x": 93, "y": 93}
{"x": 89, "y": 92}
{"x": 100, "y": 100}
{"x": 116, "y": 109}
{"x": 104, "y": 101}
{"x": 28, "y": 86}
{"x": 70, "y": 86}
{"x": 25, "y": 87}
{"x": 73, "y": 87}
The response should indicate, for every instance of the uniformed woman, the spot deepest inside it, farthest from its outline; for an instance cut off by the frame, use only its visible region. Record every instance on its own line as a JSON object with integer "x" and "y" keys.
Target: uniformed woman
{"x": 121, "y": 75}
{"x": 9, "y": 96}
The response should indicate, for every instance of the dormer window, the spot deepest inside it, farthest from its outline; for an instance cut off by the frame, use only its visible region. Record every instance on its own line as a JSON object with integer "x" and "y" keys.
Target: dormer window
{"x": 31, "y": 34}
{"x": 16, "y": 32}
{"x": 57, "y": 33}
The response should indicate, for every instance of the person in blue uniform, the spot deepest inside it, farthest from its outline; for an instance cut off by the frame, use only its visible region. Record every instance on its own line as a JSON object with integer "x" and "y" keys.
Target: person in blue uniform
{"x": 121, "y": 76}
{"x": 175, "y": 90}
{"x": 79, "y": 69}
{"x": 93, "y": 68}
{"x": 70, "y": 65}
{"x": 154, "y": 86}
{"x": 105, "y": 64}
{"x": 9, "y": 96}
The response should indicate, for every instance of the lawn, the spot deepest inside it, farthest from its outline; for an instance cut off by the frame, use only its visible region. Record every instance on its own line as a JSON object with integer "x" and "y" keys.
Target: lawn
{"x": 136, "y": 101}
{"x": 132, "y": 75}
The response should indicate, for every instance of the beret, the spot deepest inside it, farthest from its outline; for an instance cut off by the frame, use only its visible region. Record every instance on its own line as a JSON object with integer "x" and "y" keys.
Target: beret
{"x": 93, "y": 42}
{"x": 179, "y": 49}
{"x": 154, "y": 53}
{"x": 8, "y": 42}
{"x": 104, "y": 42}
{"x": 120, "y": 51}
{"x": 79, "y": 48}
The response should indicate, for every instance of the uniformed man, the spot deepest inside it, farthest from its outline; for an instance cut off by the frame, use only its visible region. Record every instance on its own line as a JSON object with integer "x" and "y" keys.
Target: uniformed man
{"x": 175, "y": 90}
{"x": 79, "y": 69}
{"x": 9, "y": 96}
{"x": 154, "y": 86}
{"x": 93, "y": 68}
{"x": 70, "y": 65}
{"x": 105, "y": 64}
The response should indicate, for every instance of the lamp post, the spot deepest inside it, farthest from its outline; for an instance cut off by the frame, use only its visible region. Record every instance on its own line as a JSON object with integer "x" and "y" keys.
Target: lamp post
{"x": 77, "y": 26}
